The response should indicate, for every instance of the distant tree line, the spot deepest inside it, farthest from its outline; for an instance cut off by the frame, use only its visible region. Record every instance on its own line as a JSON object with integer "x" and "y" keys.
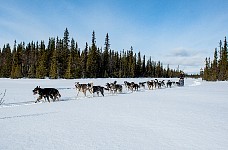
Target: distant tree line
{"x": 217, "y": 68}
{"x": 62, "y": 58}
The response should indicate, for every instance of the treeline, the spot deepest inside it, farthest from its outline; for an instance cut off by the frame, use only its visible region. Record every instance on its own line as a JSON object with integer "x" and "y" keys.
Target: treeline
{"x": 217, "y": 68}
{"x": 62, "y": 58}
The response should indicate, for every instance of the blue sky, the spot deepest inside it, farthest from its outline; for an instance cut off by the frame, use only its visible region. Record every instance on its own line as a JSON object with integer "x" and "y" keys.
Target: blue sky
{"x": 176, "y": 32}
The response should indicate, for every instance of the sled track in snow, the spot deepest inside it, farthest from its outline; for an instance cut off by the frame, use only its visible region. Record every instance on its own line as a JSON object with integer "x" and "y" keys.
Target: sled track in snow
{"x": 17, "y": 104}
{"x": 27, "y": 115}
{"x": 65, "y": 99}
{"x": 195, "y": 83}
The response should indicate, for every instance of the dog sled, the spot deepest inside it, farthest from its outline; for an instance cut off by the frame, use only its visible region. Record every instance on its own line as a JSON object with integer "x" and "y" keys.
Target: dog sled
{"x": 181, "y": 80}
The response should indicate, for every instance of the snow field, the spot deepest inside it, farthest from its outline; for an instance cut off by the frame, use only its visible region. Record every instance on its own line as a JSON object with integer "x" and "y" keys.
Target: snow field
{"x": 191, "y": 117}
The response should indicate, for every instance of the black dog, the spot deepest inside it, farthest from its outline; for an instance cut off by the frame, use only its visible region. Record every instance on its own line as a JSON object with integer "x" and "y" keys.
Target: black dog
{"x": 96, "y": 89}
{"x": 46, "y": 93}
{"x": 169, "y": 83}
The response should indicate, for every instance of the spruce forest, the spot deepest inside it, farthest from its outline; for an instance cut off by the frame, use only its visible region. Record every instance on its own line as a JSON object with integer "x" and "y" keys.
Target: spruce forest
{"x": 217, "y": 69}
{"x": 62, "y": 58}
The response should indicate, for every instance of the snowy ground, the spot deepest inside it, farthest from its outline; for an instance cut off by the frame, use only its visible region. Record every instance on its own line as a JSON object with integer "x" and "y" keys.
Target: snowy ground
{"x": 191, "y": 117}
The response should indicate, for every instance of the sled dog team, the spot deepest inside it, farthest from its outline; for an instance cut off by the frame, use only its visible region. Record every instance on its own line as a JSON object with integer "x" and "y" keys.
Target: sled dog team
{"x": 53, "y": 93}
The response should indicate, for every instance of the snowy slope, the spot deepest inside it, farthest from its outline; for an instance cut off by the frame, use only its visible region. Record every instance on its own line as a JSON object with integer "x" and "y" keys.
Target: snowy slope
{"x": 191, "y": 117}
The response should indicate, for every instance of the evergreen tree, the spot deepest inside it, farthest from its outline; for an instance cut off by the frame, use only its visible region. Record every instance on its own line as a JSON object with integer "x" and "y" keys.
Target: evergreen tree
{"x": 105, "y": 59}
{"x": 41, "y": 71}
{"x": 53, "y": 74}
{"x": 131, "y": 63}
{"x": 68, "y": 74}
{"x": 65, "y": 53}
{"x": 139, "y": 66}
{"x": 72, "y": 61}
{"x": 124, "y": 67}
{"x": 149, "y": 68}
{"x": 144, "y": 66}
{"x": 223, "y": 62}
{"x": 158, "y": 70}
{"x": 32, "y": 62}
{"x": 214, "y": 75}
{"x": 168, "y": 72}
{"x": 93, "y": 59}
{"x": 66, "y": 39}
{"x": 226, "y": 58}
{"x": 84, "y": 59}
{"x": 49, "y": 53}
{"x": 14, "y": 63}
{"x": 206, "y": 70}
{"x": 16, "y": 71}
{"x": 75, "y": 60}
{"x": 60, "y": 58}
{"x": 6, "y": 61}
{"x": 120, "y": 71}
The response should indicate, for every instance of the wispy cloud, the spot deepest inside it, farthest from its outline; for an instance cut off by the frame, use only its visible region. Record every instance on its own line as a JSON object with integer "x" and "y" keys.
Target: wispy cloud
{"x": 180, "y": 52}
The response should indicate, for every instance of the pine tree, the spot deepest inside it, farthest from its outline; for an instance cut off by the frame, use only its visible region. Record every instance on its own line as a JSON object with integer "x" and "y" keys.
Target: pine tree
{"x": 53, "y": 74}
{"x": 149, "y": 68}
{"x": 120, "y": 71}
{"x": 41, "y": 71}
{"x": 93, "y": 59}
{"x": 206, "y": 70}
{"x": 223, "y": 62}
{"x": 131, "y": 63}
{"x": 32, "y": 62}
{"x": 6, "y": 61}
{"x": 65, "y": 53}
{"x": 159, "y": 70}
{"x": 139, "y": 66}
{"x": 124, "y": 67}
{"x": 168, "y": 72}
{"x": 66, "y": 39}
{"x": 60, "y": 58}
{"x": 214, "y": 75}
{"x": 26, "y": 52}
{"x": 105, "y": 59}
{"x": 49, "y": 53}
{"x": 133, "y": 66}
{"x": 16, "y": 71}
{"x": 68, "y": 74}
{"x": 144, "y": 66}
{"x": 84, "y": 59}
{"x": 75, "y": 60}
{"x": 14, "y": 63}
{"x": 226, "y": 58}
{"x": 100, "y": 63}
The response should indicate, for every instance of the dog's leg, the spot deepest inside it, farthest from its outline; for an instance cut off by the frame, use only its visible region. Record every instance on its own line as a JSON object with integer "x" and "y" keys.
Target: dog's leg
{"x": 54, "y": 97}
{"x": 48, "y": 99}
{"x": 78, "y": 92}
{"x": 38, "y": 99}
{"x": 98, "y": 93}
{"x": 102, "y": 91}
{"x": 84, "y": 91}
{"x": 91, "y": 90}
